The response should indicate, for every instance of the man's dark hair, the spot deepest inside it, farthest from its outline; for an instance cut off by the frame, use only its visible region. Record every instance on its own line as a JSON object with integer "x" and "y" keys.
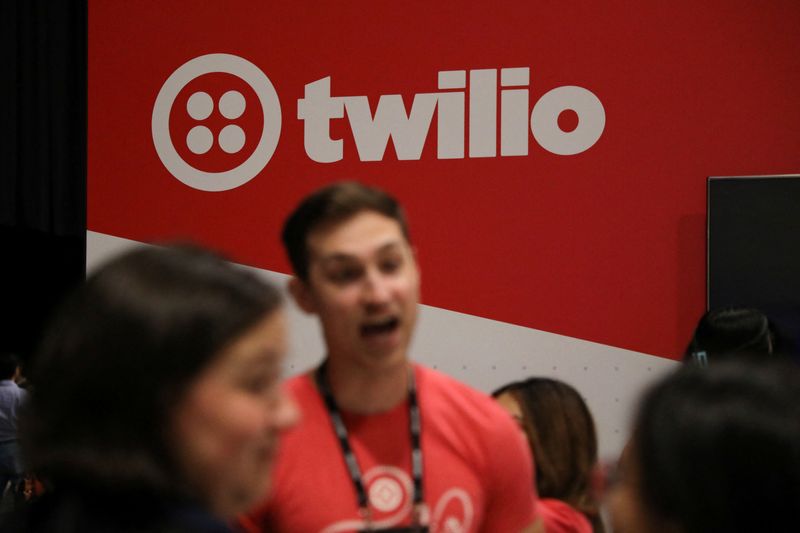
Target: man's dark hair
{"x": 8, "y": 365}
{"x": 118, "y": 358}
{"x": 331, "y": 205}
{"x": 718, "y": 448}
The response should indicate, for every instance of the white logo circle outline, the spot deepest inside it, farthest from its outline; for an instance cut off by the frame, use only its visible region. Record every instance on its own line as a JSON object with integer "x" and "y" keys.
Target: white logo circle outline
{"x": 270, "y": 105}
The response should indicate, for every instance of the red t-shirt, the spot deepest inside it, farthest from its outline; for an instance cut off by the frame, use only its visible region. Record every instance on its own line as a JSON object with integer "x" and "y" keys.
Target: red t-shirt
{"x": 560, "y": 517}
{"x": 477, "y": 467}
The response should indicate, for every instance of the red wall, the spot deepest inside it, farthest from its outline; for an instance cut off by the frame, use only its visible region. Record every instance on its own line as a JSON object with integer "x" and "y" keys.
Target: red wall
{"x": 606, "y": 245}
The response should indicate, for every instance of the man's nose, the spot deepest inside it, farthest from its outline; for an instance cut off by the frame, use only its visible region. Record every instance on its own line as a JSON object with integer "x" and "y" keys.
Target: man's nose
{"x": 376, "y": 288}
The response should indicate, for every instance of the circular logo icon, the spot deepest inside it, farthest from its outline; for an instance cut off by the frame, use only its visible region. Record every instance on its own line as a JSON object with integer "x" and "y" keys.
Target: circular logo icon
{"x": 216, "y": 122}
{"x": 386, "y": 494}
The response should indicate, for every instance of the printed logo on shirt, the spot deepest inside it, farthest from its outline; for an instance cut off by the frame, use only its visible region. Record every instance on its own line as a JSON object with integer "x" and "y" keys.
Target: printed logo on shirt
{"x": 390, "y": 491}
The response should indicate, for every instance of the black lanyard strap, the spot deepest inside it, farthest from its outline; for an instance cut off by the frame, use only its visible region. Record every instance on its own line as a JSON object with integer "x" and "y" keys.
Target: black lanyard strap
{"x": 414, "y": 429}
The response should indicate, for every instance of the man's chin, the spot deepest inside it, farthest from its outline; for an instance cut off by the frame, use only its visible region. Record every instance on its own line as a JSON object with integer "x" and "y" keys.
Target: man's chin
{"x": 386, "y": 355}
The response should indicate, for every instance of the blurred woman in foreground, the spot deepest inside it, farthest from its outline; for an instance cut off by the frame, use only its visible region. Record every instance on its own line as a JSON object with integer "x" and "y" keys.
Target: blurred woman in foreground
{"x": 561, "y": 434}
{"x": 157, "y": 402}
{"x": 714, "y": 449}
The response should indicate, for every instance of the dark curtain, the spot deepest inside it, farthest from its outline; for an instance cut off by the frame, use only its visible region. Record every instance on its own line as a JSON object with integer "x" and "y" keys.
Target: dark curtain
{"x": 43, "y": 152}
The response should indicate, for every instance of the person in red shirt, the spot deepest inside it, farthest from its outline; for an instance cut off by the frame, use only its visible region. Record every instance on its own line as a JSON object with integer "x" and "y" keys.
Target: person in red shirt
{"x": 561, "y": 435}
{"x": 384, "y": 444}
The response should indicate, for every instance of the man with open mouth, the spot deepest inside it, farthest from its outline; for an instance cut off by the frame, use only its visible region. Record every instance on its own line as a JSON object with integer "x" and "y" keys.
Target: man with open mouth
{"x": 385, "y": 444}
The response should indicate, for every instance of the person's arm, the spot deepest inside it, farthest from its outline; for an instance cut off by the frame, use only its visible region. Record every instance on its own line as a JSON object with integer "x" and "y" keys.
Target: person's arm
{"x": 512, "y": 504}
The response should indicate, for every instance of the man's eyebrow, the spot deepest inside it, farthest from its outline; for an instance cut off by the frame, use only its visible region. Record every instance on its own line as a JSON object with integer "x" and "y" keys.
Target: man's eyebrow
{"x": 390, "y": 246}
{"x": 337, "y": 257}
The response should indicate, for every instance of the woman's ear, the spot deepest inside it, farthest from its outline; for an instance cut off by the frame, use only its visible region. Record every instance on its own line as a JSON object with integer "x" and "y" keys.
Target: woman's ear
{"x": 301, "y": 294}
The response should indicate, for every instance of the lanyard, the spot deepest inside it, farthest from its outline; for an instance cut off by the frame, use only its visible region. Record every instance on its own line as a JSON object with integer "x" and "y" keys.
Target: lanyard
{"x": 414, "y": 429}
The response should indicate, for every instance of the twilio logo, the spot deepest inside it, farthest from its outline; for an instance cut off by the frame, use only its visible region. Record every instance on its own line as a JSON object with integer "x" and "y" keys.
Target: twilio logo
{"x": 216, "y": 122}
{"x": 453, "y": 103}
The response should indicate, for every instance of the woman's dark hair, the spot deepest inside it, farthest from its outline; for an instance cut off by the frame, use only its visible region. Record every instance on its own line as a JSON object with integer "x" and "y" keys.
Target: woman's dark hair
{"x": 330, "y": 205}
{"x": 118, "y": 356}
{"x": 562, "y": 438}
{"x": 718, "y": 449}
{"x": 730, "y": 330}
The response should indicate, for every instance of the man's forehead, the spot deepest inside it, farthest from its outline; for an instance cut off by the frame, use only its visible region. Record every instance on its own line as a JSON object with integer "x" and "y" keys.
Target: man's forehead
{"x": 364, "y": 233}
{"x": 344, "y": 256}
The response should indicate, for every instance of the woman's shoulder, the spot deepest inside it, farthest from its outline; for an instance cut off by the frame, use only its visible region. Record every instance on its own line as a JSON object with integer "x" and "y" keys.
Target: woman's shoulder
{"x": 80, "y": 511}
{"x": 560, "y": 517}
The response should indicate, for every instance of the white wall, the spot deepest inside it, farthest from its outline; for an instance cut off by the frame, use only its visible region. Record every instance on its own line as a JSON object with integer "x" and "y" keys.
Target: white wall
{"x": 485, "y": 354}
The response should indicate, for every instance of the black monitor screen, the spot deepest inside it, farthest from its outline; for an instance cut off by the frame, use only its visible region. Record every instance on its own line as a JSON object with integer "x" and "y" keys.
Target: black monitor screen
{"x": 754, "y": 248}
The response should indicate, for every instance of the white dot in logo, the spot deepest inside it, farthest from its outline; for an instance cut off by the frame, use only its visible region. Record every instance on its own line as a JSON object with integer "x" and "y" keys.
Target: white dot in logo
{"x": 231, "y": 138}
{"x": 199, "y": 140}
{"x": 200, "y": 106}
{"x": 232, "y": 105}
{"x": 386, "y": 494}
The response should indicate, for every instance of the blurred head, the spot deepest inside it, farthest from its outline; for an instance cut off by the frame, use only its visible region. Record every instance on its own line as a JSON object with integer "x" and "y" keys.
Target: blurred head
{"x": 329, "y": 206}
{"x": 715, "y": 449}
{"x": 9, "y": 364}
{"x": 161, "y": 374}
{"x": 561, "y": 434}
{"x": 357, "y": 271}
{"x": 730, "y": 330}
